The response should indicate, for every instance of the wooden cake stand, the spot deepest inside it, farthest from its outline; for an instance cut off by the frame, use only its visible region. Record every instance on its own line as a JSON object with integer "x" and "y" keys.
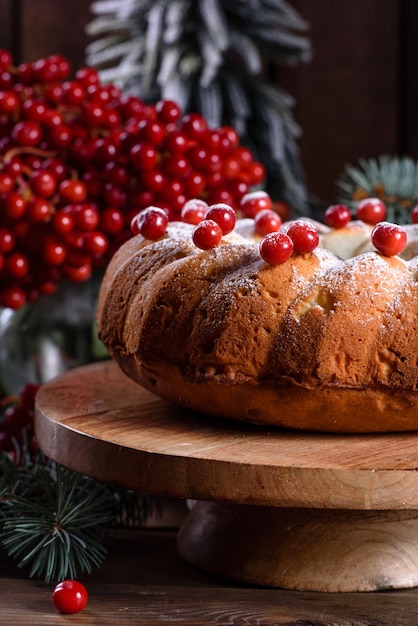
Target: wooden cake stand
{"x": 295, "y": 510}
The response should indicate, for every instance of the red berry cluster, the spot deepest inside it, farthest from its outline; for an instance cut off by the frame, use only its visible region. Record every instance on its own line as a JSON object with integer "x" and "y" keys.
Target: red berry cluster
{"x": 214, "y": 221}
{"x": 79, "y": 159}
{"x": 389, "y": 239}
{"x": 370, "y": 210}
{"x": 17, "y": 420}
{"x": 299, "y": 236}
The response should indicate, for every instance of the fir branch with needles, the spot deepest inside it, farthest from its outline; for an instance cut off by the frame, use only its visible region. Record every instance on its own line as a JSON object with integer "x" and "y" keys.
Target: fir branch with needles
{"x": 210, "y": 56}
{"x": 55, "y": 521}
{"x": 392, "y": 179}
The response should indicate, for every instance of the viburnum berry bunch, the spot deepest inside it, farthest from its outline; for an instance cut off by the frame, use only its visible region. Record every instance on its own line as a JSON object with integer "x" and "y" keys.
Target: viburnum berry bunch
{"x": 78, "y": 160}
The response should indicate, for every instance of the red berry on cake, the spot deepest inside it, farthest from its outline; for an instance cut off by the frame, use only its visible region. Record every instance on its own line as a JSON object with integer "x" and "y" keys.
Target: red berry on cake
{"x": 151, "y": 223}
{"x": 207, "y": 235}
{"x": 194, "y": 211}
{"x": 371, "y": 210}
{"x": 254, "y": 202}
{"x": 267, "y": 221}
{"x": 276, "y": 248}
{"x": 389, "y": 239}
{"x": 222, "y": 214}
{"x": 304, "y": 235}
{"x": 337, "y": 216}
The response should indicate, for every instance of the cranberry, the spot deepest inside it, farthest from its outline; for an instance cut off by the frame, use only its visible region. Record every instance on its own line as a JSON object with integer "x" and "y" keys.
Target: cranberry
{"x": 207, "y": 235}
{"x": 96, "y": 242}
{"x": 168, "y": 111}
{"x": 151, "y": 223}
{"x": 304, "y": 235}
{"x": 43, "y": 183}
{"x": 254, "y": 202}
{"x": 54, "y": 253}
{"x": 73, "y": 190}
{"x": 7, "y": 240}
{"x": 8, "y": 101}
{"x": 27, "y": 133}
{"x": 143, "y": 156}
{"x": 371, "y": 210}
{"x": 276, "y": 248}
{"x": 38, "y": 209}
{"x": 111, "y": 220}
{"x": 13, "y": 297}
{"x": 194, "y": 211}
{"x": 223, "y": 215}
{"x": 267, "y": 221}
{"x": 194, "y": 125}
{"x": 389, "y": 239}
{"x": 337, "y": 216}
{"x": 17, "y": 264}
{"x": 70, "y": 596}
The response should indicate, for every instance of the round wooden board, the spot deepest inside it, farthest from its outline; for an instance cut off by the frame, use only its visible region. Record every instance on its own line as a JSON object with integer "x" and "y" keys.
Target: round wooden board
{"x": 95, "y": 420}
{"x": 330, "y": 512}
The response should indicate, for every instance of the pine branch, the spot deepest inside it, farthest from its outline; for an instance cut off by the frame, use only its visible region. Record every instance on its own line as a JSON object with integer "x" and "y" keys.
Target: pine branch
{"x": 55, "y": 521}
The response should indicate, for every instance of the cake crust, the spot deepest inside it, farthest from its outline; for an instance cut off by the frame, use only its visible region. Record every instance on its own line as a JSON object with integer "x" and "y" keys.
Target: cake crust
{"x": 317, "y": 343}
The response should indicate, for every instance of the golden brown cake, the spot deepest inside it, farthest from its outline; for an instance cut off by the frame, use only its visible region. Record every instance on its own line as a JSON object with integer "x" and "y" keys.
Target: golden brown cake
{"x": 319, "y": 342}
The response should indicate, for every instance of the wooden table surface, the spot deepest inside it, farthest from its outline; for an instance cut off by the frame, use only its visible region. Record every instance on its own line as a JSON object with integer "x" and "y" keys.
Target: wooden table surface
{"x": 143, "y": 581}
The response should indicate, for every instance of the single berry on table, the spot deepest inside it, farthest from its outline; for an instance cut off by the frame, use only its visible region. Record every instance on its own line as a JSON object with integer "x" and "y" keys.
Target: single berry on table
{"x": 69, "y": 596}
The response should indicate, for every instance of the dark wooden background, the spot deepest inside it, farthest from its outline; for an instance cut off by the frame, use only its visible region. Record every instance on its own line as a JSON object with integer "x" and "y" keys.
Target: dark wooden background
{"x": 358, "y": 97}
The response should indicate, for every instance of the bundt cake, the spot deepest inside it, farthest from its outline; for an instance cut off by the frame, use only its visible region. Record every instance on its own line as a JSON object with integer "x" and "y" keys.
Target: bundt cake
{"x": 326, "y": 341}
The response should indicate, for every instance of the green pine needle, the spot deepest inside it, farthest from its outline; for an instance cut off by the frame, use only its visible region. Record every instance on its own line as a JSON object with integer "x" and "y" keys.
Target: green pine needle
{"x": 54, "y": 520}
{"x": 393, "y": 179}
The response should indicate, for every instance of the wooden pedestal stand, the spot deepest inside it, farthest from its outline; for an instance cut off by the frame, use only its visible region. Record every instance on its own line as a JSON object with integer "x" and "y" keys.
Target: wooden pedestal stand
{"x": 294, "y": 510}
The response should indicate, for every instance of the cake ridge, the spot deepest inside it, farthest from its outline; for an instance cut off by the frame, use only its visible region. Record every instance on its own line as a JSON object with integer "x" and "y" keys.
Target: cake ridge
{"x": 319, "y": 342}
